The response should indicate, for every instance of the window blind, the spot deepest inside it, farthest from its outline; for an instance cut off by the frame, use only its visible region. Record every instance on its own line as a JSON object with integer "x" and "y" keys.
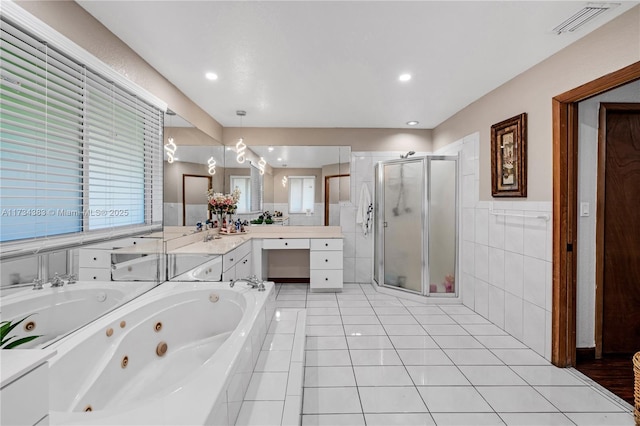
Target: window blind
{"x": 256, "y": 189}
{"x": 301, "y": 194}
{"x": 78, "y": 153}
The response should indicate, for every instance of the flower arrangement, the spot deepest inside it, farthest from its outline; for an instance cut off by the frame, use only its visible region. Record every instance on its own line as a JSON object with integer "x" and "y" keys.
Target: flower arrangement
{"x": 221, "y": 203}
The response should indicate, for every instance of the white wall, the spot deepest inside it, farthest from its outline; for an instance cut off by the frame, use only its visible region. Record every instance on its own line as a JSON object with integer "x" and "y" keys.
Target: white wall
{"x": 587, "y": 166}
{"x": 505, "y": 261}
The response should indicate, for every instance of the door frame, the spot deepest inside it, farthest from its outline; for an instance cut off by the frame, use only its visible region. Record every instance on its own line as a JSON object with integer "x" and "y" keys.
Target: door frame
{"x": 184, "y": 204}
{"x": 327, "y": 195}
{"x": 565, "y": 185}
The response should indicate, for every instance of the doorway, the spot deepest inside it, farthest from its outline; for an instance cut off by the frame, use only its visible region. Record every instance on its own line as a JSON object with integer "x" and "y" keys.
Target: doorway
{"x": 194, "y": 199}
{"x": 336, "y": 189}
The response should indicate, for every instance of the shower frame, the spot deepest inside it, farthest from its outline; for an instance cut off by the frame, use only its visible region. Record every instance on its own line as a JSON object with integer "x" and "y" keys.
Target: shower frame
{"x": 379, "y": 224}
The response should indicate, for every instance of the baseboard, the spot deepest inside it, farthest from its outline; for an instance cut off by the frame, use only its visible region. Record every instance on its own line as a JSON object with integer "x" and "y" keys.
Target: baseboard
{"x": 290, "y": 280}
{"x": 585, "y": 353}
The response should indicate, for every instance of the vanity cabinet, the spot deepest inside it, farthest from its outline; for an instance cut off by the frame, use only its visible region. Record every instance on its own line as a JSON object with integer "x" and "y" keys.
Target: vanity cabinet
{"x": 325, "y": 264}
{"x": 237, "y": 263}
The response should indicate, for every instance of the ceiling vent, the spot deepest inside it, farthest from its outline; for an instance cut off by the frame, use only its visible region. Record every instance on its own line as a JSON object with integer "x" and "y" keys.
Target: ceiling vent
{"x": 584, "y": 15}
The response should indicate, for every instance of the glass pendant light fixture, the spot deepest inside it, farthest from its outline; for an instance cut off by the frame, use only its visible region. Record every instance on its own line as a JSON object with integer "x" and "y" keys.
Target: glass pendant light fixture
{"x": 170, "y": 147}
{"x": 241, "y": 147}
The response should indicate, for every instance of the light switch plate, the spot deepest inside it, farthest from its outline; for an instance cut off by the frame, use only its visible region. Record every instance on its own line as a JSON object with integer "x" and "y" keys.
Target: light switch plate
{"x": 584, "y": 209}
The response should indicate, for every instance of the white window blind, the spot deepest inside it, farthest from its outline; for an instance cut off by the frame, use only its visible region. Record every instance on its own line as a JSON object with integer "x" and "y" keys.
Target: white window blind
{"x": 256, "y": 189}
{"x": 77, "y": 153}
{"x": 243, "y": 183}
{"x": 301, "y": 194}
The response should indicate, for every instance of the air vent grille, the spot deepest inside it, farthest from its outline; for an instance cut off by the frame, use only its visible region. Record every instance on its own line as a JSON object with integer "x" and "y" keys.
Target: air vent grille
{"x": 584, "y": 15}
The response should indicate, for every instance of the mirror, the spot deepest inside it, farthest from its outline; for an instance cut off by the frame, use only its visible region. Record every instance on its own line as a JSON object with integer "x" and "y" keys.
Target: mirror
{"x": 304, "y": 183}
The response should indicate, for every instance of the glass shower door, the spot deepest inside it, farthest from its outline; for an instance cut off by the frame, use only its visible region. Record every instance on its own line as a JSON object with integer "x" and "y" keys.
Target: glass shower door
{"x": 403, "y": 224}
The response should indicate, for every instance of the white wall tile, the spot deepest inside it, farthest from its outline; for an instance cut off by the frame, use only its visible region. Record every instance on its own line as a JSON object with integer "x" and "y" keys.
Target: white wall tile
{"x": 349, "y": 269}
{"x": 496, "y": 267}
{"x": 549, "y": 286}
{"x": 513, "y": 273}
{"x": 468, "y": 193}
{"x": 482, "y": 226}
{"x": 534, "y": 327}
{"x": 349, "y": 244}
{"x": 467, "y": 289}
{"x": 535, "y": 281}
{"x": 348, "y": 218}
{"x": 547, "y": 338}
{"x": 468, "y": 224}
{"x": 513, "y": 315}
{"x": 363, "y": 270}
{"x": 468, "y": 256}
{"x": 496, "y": 306}
{"x": 535, "y": 237}
{"x": 482, "y": 262}
{"x": 514, "y": 233}
{"x": 496, "y": 231}
{"x": 364, "y": 245}
{"x": 482, "y": 298}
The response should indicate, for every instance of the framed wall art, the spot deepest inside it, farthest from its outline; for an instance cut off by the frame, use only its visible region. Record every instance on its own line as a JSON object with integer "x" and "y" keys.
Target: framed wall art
{"x": 509, "y": 157}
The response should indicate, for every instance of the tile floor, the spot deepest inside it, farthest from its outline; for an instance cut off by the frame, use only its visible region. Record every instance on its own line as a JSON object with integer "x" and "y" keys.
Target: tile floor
{"x": 374, "y": 359}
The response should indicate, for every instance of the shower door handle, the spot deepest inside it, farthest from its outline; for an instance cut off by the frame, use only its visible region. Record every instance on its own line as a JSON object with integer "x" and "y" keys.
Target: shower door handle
{"x": 384, "y": 224}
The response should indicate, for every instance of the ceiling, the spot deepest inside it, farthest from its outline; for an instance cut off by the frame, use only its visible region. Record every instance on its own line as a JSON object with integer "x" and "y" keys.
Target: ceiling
{"x": 336, "y": 63}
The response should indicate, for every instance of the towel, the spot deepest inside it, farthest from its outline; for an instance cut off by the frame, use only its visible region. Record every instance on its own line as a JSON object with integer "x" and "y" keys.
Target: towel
{"x": 362, "y": 215}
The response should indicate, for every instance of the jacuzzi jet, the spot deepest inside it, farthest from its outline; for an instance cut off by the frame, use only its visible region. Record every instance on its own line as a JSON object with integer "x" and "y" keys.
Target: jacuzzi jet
{"x": 161, "y": 349}
{"x": 88, "y": 408}
{"x": 30, "y": 326}
{"x": 213, "y": 297}
{"x": 109, "y": 332}
{"x": 123, "y": 324}
{"x": 158, "y": 326}
{"x": 124, "y": 362}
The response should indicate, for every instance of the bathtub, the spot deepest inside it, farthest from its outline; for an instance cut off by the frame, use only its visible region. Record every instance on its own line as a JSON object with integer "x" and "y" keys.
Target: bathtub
{"x": 208, "y": 271}
{"x": 183, "y": 353}
{"x": 55, "y": 311}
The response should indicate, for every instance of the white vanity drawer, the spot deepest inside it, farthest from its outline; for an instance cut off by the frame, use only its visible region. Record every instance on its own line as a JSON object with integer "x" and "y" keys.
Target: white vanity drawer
{"x": 326, "y": 279}
{"x": 326, "y": 244}
{"x": 231, "y": 258}
{"x": 325, "y": 260}
{"x": 94, "y": 274}
{"x": 95, "y": 258}
{"x": 285, "y": 243}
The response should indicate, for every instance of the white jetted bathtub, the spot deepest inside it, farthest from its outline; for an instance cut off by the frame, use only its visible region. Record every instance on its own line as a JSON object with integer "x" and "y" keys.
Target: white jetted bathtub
{"x": 55, "y": 311}
{"x": 181, "y": 354}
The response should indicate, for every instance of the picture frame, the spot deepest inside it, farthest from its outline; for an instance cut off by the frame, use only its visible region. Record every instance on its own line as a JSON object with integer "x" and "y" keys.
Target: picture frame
{"x": 509, "y": 157}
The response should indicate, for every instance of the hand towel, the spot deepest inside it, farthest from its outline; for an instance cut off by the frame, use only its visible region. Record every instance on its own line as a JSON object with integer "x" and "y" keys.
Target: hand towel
{"x": 363, "y": 208}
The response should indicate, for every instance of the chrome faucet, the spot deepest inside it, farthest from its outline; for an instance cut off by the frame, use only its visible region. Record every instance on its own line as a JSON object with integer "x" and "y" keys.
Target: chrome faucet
{"x": 71, "y": 278}
{"x": 207, "y": 237}
{"x": 57, "y": 281}
{"x": 252, "y": 281}
{"x": 37, "y": 284}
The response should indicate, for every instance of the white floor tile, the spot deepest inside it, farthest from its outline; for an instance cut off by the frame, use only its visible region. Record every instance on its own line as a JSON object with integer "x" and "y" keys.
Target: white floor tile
{"x": 426, "y": 310}
{"x": 385, "y": 302}
{"x": 537, "y": 419}
{"x": 364, "y": 330}
{"x": 437, "y": 375}
{"x": 547, "y": 375}
{"x": 397, "y": 319}
{"x": 391, "y": 400}
{"x": 515, "y": 399}
{"x": 445, "y": 330}
{"x": 325, "y": 330}
{"x": 329, "y": 376}
{"x": 470, "y": 319}
{"x": 456, "y": 310}
{"x": 399, "y": 419}
{"x": 453, "y": 399}
{"x": 333, "y": 420}
{"x": 353, "y": 303}
{"x": 578, "y": 398}
{"x": 326, "y": 342}
{"x": 386, "y": 375}
{"x": 290, "y": 303}
{"x": 467, "y": 419}
{"x": 360, "y": 319}
{"x": 267, "y": 387}
{"x": 322, "y": 304}
{"x": 391, "y": 310}
{"x": 484, "y": 330}
{"x": 404, "y": 330}
{"x": 501, "y": 342}
{"x": 519, "y": 357}
{"x": 356, "y": 311}
{"x": 324, "y": 320}
{"x": 374, "y": 357}
{"x": 327, "y": 358}
{"x": 331, "y": 401}
{"x": 322, "y": 311}
{"x": 424, "y": 357}
{"x": 458, "y": 342}
{"x": 260, "y": 413}
{"x": 278, "y": 327}
{"x": 413, "y": 342}
{"x": 472, "y": 357}
{"x": 601, "y": 419}
{"x": 296, "y": 296}
{"x": 369, "y": 342}
{"x": 435, "y": 319}
{"x": 491, "y": 375}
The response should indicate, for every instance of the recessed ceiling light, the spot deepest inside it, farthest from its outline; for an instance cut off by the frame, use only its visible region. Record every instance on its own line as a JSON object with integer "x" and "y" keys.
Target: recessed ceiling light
{"x": 270, "y": 148}
{"x": 211, "y": 76}
{"x": 412, "y": 123}
{"x": 404, "y": 77}
{"x": 279, "y": 159}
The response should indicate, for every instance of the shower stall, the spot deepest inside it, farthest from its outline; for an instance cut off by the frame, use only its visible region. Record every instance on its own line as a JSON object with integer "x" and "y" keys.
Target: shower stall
{"x": 416, "y": 225}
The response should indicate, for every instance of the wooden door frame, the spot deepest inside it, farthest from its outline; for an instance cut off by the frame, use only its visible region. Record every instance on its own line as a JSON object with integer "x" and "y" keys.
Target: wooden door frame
{"x": 605, "y": 107}
{"x": 184, "y": 204}
{"x": 326, "y": 195}
{"x": 565, "y": 185}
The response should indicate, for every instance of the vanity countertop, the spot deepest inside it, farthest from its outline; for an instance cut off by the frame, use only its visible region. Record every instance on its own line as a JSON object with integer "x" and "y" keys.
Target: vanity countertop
{"x": 226, "y": 243}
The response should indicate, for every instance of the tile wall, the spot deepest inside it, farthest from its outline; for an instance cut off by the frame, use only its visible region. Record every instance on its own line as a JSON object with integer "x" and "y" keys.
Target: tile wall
{"x": 505, "y": 260}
